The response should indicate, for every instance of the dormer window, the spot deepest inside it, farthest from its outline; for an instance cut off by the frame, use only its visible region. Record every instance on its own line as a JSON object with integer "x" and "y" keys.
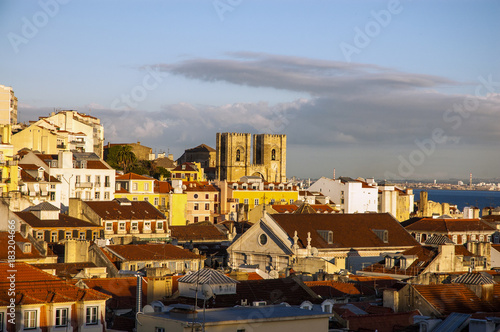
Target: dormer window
{"x": 53, "y": 163}
{"x": 83, "y": 164}
{"x": 382, "y": 234}
{"x": 326, "y": 235}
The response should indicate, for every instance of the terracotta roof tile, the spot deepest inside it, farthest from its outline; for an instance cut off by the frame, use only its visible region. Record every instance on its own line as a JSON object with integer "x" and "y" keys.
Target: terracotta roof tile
{"x": 196, "y": 232}
{"x": 349, "y": 230}
{"x": 64, "y": 221}
{"x": 97, "y": 164}
{"x": 150, "y": 251}
{"x": 34, "y": 286}
{"x": 133, "y": 176}
{"x": 162, "y": 187}
{"x": 123, "y": 290}
{"x": 449, "y": 225}
{"x": 136, "y": 210}
{"x": 20, "y": 255}
{"x": 448, "y": 298}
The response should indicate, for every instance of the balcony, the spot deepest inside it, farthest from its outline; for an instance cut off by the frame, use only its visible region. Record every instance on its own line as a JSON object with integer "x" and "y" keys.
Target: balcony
{"x": 83, "y": 185}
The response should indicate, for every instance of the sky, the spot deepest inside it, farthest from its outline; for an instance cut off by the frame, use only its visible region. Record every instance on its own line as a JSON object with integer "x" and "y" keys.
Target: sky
{"x": 387, "y": 89}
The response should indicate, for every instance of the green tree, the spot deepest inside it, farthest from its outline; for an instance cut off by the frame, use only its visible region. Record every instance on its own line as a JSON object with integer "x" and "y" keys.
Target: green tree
{"x": 125, "y": 157}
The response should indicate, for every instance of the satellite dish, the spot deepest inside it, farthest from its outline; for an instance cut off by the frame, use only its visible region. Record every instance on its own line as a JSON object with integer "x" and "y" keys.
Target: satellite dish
{"x": 207, "y": 291}
{"x": 147, "y": 309}
{"x": 314, "y": 251}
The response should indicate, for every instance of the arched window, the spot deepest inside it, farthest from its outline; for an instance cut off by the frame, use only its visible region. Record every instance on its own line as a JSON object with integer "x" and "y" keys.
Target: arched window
{"x": 273, "y": 154}
{"x": 238, "y": 156}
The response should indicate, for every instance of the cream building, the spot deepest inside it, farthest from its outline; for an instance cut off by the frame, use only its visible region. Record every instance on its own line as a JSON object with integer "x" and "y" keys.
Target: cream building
{"x": 82, "y": 132}
{"x": 8, "y": 106}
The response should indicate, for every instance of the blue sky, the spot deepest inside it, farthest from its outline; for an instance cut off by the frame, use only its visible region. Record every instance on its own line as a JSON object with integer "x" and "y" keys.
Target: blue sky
{"x": 361, "y": 86}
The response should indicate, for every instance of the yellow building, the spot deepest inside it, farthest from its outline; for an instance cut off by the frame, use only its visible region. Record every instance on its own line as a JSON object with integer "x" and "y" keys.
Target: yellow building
{"x": 9, "y": 173}
{"x": 251, "y": 191}
{"x": 38, "y": 138}
{"x": 136, "y": 187}
{"x": 188, "y": 172}
{"x": 8, "y": 106}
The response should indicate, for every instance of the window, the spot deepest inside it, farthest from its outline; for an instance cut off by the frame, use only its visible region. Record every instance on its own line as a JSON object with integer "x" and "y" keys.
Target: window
{"x": 238, "y": 155}
{"x": 207, "y": 218}
{"x": 77, "y": 179}
{"x": 97, "y": 195}
{"x": 207, "y": 206}
{"x": 134, "y": 225}
{"x": 262, "y": 239}
{"x": 291, "y": 201}
{"x": 146, "y": 186}
{"x": 187, "y": 265}
{"x": 147, "y": 225}
{"x": 273, "y": 154}
{"x": 156, "y": 201}
{"x": 159, "y": 225}
{"x": 171, "y": 267}
{"x": 109, "y": 226}
{"x": 30, "y": 319}
{"x": 52, "y": 196}
{"x": 159, "y": 329}
{"x": 68, "y": 235}
{"x": 98, "y": 180}
{"x": 39, "y": 235}
{"x": 215, "y": 197}
{"x": 91, "y": 315}
{"x": 82, "y": 236}
{"x": 53, "y": 237}
{"x": 481, "y": 238}
{"x": 132, "y": 267}
{"x": 245, "y": 201}
{"x": 256, "y": 201}
{"x": 163, "y": 201}
{"x": 106, "y": 181}
{"x": 272, "y": 201}
{"x": 135, "y": 198}
{"x": 1, "y": 322}
{"x": 207, "y": 196}
{"x": 146, "y": 199}
{"x": 106, "y": 195}
{"x": 473, "y": 237}
{"x": 464, "y": 239}
{"x": 94, "y": 236}
{"x": 195, "y": 219}
{"x": 59, "y": 177}
{"x": 121, "y": 226}
{"x": 52, "y": 186}
{"x": 196, "y": 206}
{"x": 454, "y": 238}
{"x": 134, "y": 186}
{"x": 89, "y": 178}
{"x": 61, "y": 317}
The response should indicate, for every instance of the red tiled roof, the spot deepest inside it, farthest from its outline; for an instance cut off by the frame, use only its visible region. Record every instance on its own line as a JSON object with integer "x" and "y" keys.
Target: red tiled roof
{"x": 201, "y": 148}
{"x": 133, "y": 176}
{"x": 151, "y": 251}
{"x": 123, "y": 290}
{"x": 64, "y": 221}
{"x": 34, "y": 286}
{"x": 199, "y": 186}
{"x": 96, "y": 164}
{"x": 448, "y": 298}
{"x": 137, "y": 210}
{"x": 20, "y": 255}
{"x": 188, "y": 167}
{"x": 330, "y": 289}
{"x": 196, "y": 232}
{"x": 285, "y": 208}
{"x": 162, "y": 187}
{"x": 449, "y": 225}
{"x": 349, "y": 230}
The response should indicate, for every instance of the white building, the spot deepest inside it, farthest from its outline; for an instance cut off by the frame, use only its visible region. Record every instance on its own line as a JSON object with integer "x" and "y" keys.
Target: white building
{"x": 83, "y": 132}
{"x": 353, "y": 196}
{"x": 82, "y": 175}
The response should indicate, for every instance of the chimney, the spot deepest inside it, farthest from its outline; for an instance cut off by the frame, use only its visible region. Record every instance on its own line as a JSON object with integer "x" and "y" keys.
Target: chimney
{"x": 65, "y": 159}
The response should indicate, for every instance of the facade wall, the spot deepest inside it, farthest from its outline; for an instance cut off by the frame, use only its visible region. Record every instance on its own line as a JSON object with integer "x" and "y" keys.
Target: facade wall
{"x": 36, "y": 138}
{"x": 8, "y": 106}
{"x": 177, "y": 209}
{"x": 234, "y": 152}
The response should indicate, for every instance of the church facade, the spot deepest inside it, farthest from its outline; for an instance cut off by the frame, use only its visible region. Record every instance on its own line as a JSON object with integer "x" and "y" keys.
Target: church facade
{"x": 236, "y": 156}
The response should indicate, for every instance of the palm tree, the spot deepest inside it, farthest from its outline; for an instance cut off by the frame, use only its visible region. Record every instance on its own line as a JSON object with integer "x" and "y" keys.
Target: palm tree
{"x": 125, "y": 157}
